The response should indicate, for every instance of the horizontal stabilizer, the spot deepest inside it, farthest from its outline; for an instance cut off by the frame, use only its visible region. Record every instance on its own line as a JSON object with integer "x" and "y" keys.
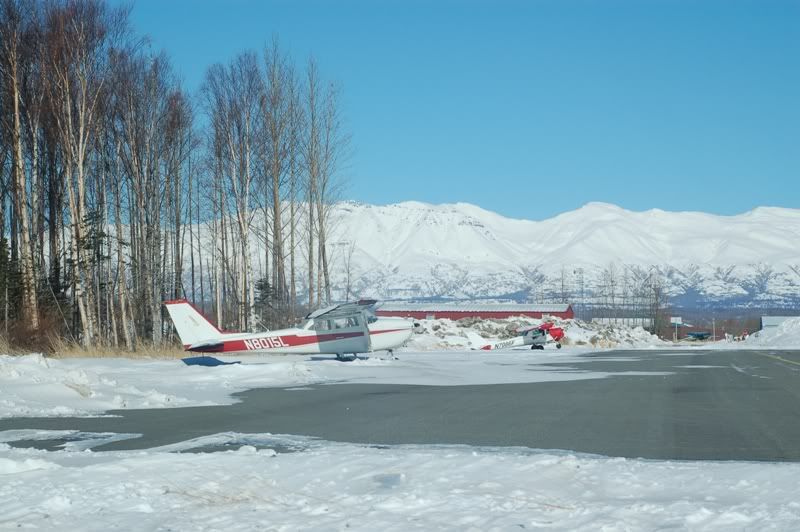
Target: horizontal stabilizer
{"x": 207, "y": 347}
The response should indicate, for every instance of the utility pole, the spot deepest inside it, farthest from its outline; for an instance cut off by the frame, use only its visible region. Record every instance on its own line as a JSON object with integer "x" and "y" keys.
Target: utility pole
{"x": 579, "y": 272}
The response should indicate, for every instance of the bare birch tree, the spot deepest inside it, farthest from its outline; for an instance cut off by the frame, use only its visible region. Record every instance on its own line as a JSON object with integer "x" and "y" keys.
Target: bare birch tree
{"x": 80, "y": 37}
{"x": 15, "y": 23}
{"x": 101, "y": 177}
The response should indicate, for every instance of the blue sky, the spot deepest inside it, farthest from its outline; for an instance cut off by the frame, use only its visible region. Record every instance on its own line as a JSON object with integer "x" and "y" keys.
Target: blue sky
{"x": 534, "y": 108}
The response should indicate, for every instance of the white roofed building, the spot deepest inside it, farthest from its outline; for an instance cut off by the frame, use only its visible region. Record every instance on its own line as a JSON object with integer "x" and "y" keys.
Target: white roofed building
{"x": 457, "y": 311}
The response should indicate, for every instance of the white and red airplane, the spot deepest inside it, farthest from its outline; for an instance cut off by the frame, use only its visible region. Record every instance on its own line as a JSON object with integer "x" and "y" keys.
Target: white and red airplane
{"x": 536, "y": 337}
{"x": 344, "y": 329}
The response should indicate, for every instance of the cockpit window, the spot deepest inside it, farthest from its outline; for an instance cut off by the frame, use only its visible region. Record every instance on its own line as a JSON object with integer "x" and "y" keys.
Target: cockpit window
{"x": 337, "y": 323}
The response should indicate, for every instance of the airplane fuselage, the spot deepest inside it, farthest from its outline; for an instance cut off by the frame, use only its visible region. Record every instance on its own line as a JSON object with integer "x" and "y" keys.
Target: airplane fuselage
{"x": 342, "y": 329}
{"x": 384, "y": 334}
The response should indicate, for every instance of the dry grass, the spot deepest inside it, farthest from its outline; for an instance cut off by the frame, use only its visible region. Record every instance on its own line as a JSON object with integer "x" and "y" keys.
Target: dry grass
{"x": 5, "y": 346}
{"x": 73, "y": 350}
{"x": 56, "y": 347}
{"x": 49, "y": 338}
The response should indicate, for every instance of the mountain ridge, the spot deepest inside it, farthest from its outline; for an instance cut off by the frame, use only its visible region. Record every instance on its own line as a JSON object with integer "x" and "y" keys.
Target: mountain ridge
{"x": 419, "y": 249}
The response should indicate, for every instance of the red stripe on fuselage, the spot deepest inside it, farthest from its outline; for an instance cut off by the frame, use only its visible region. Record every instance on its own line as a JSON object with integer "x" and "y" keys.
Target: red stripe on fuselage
{"x": 267, "y": 343}
{"x": 387, "y": 331}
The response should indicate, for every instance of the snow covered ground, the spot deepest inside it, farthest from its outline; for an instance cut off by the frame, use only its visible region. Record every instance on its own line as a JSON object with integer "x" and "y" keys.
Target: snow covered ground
{"x": 332, "y": 486}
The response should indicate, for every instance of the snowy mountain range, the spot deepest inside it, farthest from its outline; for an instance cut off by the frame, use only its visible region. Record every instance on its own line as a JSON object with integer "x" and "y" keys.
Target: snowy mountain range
{"x": 415, "y": 250}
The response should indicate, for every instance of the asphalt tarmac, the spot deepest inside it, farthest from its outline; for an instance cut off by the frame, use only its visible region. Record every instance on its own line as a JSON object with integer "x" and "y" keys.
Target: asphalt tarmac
{"x": 714, "y": 405}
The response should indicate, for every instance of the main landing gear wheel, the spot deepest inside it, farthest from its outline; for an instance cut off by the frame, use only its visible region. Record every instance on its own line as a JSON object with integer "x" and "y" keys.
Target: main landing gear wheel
{"x": 537, "y": 346}
{"x": 558, "y": 346}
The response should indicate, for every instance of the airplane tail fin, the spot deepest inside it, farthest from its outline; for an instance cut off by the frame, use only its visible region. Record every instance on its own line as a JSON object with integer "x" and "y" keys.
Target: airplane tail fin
{"x": 192, "y": 326}
{"x": 476, "y": 341}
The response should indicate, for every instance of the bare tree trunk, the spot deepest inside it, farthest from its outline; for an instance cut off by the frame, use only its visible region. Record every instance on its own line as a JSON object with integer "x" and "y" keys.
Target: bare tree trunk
{"x": 122, "y": 288}
{"x": 79, "y": 284}
{"x": 191, "y": 236}
{"x": 319, "y": 269}
{"x": 30, "y": 310}
{"x": 177, "y": 256}
{"x": 54, "y": 226}
{"x": 200, "y": 254}
{"x": 310, "y": 208}
{"x": 323, "y": 252}
{"x": 219, "y": 270}
{"x": 292, "y": 235}
{"x": 111, "y": 314}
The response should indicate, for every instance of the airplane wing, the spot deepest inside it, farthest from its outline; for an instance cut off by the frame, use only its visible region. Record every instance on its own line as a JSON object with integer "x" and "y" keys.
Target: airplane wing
{"x": 342, "y": 309}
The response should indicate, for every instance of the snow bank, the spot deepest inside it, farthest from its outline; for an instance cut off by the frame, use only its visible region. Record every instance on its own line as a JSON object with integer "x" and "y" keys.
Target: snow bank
{"x": 611, "y": 336}
{"x": 786, "y": 336}
{"x": 36, "y": 386}
{"x": 444, "y": 334}
{"x": 331, "y": 486}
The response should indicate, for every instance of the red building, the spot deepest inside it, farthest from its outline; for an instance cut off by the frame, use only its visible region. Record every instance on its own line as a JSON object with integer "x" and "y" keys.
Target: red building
{"x": 421, "y": 311}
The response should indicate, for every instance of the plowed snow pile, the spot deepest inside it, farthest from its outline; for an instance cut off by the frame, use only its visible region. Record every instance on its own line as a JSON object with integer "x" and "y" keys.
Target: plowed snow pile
{"x": 786, "y": 335}
{"x": 444, "y": 334}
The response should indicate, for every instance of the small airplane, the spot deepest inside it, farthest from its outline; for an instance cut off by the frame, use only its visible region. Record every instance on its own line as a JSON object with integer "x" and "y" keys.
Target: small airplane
{"x": 536, "y": 337}
{"x": 698, "y": 335}
{"x": 343, "y": 329}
